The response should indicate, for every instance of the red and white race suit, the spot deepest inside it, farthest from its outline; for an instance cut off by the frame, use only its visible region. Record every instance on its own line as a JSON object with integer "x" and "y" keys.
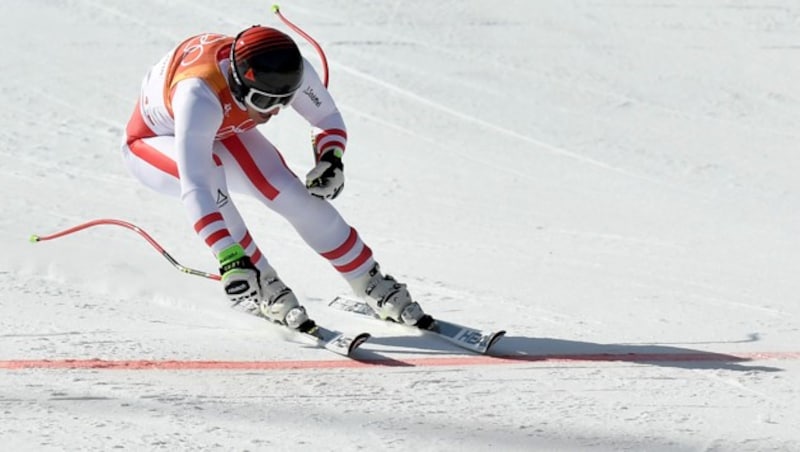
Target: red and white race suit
{"x": 190, "y": 139}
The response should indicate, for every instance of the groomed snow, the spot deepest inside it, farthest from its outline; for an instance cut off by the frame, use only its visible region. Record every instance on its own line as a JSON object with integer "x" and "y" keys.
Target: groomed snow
{"x": 614, "y": 183}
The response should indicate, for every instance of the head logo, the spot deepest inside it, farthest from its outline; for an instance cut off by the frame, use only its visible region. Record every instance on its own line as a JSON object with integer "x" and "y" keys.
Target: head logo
{"x": 250, "y": 75}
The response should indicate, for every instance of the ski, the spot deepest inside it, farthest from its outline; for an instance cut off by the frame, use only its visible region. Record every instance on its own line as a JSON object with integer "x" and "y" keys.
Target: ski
{"x": 472, "y": 339}
{"x": 340, "y": 343}
{"x": 336, "y": 341}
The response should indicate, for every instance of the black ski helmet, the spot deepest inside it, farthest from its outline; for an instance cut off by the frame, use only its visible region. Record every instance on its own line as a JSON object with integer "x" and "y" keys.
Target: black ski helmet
{"x": 267, "y": 60}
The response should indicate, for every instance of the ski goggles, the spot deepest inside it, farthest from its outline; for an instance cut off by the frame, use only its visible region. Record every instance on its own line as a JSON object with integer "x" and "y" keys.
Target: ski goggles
{"x": 266, "y": 103}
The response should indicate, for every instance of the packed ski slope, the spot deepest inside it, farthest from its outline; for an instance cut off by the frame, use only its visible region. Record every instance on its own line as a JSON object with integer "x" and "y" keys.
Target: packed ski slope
{"x": 614, "y": 183}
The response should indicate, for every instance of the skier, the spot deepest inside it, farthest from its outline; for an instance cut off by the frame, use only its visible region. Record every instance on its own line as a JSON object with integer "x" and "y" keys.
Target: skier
{"x": 193, "y": 136}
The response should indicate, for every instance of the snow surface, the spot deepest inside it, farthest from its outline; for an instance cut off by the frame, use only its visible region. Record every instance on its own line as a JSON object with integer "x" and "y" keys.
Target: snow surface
{"x": 606, "y": 180}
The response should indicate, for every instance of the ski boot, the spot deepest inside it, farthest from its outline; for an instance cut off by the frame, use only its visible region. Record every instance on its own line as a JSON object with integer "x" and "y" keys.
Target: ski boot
{"x": 279, "y": 304}
{"x": 389, "y": 299}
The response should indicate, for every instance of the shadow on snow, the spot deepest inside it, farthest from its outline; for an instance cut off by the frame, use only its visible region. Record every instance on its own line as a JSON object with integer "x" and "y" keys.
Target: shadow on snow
{"x": 525, "y": 349}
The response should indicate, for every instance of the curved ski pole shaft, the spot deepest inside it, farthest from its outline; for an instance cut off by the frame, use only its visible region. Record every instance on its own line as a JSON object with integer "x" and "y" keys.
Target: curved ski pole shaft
{"x": 277, "y": 10}
{"x": 105, "y": 221}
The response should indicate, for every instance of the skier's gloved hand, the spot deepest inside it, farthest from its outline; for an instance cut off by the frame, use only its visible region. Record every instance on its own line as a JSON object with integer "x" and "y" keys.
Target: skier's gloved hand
{"x": 326, "y": 180}
{"x": 240, "y": 278}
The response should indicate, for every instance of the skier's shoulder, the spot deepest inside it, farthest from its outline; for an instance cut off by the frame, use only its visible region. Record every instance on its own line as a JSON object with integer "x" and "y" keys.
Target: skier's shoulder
{"x": 200, "y": 56}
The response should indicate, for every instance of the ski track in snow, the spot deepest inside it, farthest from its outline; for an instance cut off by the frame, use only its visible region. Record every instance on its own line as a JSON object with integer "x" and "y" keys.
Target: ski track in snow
{"x": 613, "y": 183}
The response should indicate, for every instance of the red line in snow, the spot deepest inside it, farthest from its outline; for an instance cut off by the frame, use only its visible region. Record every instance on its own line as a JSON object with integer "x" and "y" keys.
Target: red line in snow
{"x": 146, "y": 364}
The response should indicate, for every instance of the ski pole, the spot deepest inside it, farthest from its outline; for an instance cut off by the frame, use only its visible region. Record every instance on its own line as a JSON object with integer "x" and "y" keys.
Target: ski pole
{"x": 277, "y": 10}
{"x": 105, "y": 221}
